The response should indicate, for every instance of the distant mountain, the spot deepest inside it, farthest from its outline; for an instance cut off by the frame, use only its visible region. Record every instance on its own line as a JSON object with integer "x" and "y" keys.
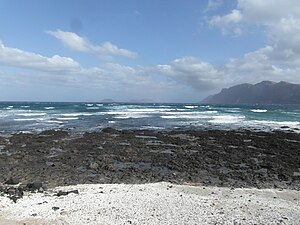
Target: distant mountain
{"x": 265, "y": 92}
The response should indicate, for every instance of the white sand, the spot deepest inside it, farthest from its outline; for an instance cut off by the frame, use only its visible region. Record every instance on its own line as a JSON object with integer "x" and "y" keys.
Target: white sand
{"x": 157, "y": 203}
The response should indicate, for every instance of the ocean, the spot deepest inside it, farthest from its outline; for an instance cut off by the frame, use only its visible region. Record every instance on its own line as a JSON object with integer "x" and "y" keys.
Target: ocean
{"x": 39, "y": 116}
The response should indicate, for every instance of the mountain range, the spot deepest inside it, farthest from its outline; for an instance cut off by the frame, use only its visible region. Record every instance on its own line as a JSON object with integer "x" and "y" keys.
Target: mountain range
{"x": 265, "y": 92}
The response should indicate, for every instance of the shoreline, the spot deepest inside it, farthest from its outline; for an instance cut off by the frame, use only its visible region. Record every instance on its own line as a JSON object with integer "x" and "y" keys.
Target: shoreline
{"x": 233, "y": 158}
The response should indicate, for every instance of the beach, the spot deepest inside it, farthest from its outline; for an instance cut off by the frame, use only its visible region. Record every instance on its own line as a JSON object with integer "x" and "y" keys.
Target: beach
{"x": 154, "y": 203}
{"x": 150, "y": 177}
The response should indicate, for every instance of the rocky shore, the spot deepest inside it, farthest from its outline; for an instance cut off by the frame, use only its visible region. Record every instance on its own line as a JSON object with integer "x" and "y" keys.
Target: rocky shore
{"x": 206, "y": 157}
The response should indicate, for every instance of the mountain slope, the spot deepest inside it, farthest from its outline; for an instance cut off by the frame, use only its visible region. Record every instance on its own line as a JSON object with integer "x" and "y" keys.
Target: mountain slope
{"x": 265, "y": 92}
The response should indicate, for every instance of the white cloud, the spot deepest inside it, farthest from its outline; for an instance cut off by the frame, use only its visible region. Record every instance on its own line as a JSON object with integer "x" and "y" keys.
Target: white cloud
{"x": 267, "y": 63}
{"x": 72, "y": 40}
{"x": 112, "y": 49}
{"x": 19, "y": 58}
{"x": 266, "y": 13}
{"x": 81, "y": 44}
{"x": 213, "y": 4}
{"x": 280, "y": 58}
{"x": 195, "y": 73}
{"x": 228, "y": 23}
{"x": 232, "y": 18}
{"x": 65, "y": 72}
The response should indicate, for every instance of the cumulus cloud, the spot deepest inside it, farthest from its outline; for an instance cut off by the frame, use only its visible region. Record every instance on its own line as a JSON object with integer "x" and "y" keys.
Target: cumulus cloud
{"x": 280, "y": 58}
{"x": 195, "y": 73}
{"x": 234, "y": 17}
{"x": 61, "y": 71}
{"x": 19, "y": 58}
{"x": 264, "y": 64}
{"x": 82, "y": 44}
{"x": 267, "y": 13}
{"x": 228, "y": 23}
{"x": 213, "y": 4}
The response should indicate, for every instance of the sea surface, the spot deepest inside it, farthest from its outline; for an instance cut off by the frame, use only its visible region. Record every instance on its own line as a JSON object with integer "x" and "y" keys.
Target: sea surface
{"x": 39, "y": 116}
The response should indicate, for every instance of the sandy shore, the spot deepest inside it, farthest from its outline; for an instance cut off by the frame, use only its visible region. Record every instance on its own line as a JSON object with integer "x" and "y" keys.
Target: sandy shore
{"x": 154, "y": 203}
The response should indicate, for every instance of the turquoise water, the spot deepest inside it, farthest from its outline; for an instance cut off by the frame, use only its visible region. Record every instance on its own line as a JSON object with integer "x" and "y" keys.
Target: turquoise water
{"x": 38, "y": 116}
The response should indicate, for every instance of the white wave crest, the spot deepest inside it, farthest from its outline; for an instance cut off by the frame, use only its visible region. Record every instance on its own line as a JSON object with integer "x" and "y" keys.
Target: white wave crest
{"x": 169, "y": 117}
{"x": 94, "y": 107}
{"x": 67, "y": 118}
{"x": 76, "y": 114}
{"x": 31, "y": 114}
{"x": 191, "y": 106}
{"x": 29, "y": 119}
{"x": 259, "y": 110}
{"x": 225, "y": 119}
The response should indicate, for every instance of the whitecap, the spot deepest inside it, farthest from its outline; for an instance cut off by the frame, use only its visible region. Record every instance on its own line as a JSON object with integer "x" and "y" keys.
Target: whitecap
{"x": 209, "y": 112}
{"x": 92, "y": 107}
{"x": 49, "y": 107}
{"x": 195, "y": 116}
{"x": 121, "y": 117}
{"x": 152, "y": 127}
{"x": 76, "y": 114}
{"x": 278, "y": 123}
{"x": 223, "y": 119}
{"x": 67, "y": 118}
{"x": 31, "y": 114}
{"x": 131, "y": 115}
{"x": 233, "y": 111}
{"x": 169, "y": 117}
{"x": 191, "y": 106}
{"x": 259, "y": 110}
{"x": 28, "y": 119}
{"x": 150, "y": 110}
{"x": 89, "y": 105}
{"x": 54, "y": 121}
{"x": 25, "y": 106}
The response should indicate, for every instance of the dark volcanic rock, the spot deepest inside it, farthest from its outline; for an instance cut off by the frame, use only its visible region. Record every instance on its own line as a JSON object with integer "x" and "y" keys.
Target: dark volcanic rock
{"x": 210, "y": 157}
{"x": 63, "y": 193}
{"x": 12, "y": 181}
{"x": 12, "y": 192}
{"x": 35, "y": 186}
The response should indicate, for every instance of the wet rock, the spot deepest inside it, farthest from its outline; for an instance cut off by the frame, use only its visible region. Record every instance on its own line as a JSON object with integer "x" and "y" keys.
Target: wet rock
{"x": 12, "y": 181}
{"x": 35, "y": 186}
{"x": 63, "y": 193}
{"x": 110, "y": 130}
{"x": 93, "y": 165}
{"x": 210, "y": 157}
{"x": 12, "y": 192}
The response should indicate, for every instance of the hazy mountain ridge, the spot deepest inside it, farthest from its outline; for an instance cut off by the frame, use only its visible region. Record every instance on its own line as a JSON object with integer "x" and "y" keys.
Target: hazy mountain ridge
{"x": 265, "y": 92}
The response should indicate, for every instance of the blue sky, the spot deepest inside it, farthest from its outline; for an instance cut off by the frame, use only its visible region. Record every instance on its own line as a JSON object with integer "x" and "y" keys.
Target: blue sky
{"x": 166, "y": 51}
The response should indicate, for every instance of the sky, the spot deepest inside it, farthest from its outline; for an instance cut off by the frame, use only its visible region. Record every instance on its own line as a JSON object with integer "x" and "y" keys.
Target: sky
{"x": 154, "y": 50}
